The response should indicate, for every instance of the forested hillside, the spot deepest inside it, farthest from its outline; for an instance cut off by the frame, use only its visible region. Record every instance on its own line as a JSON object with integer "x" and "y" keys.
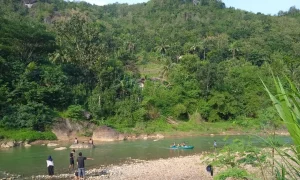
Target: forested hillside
{"x": 132, "y": 66}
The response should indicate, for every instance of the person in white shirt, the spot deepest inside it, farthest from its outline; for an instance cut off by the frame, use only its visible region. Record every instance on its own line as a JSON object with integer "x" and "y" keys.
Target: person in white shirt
{"x": 76, "y": 141}
{"x": 50, "y": 166}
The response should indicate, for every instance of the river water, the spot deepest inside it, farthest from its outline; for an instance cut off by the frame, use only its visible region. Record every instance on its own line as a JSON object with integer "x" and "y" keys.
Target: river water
{"x": 32, "y": 160}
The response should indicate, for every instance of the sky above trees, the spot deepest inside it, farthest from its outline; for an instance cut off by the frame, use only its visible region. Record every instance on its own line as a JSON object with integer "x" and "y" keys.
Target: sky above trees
{"x": 266, "y": 6}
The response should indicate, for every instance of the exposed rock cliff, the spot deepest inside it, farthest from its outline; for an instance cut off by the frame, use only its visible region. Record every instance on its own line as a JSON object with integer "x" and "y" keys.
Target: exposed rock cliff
{"x": 65, "y": 129}
{"x": 105, "y": 133}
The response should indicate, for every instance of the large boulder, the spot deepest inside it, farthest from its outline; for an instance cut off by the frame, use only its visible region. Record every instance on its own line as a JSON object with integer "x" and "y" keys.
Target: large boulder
{"x": 66, "y": 129}
{"x": 4, "y": 145}
{"x": 51, "y": 144}
{"x": 8, "y": 144}
{"x": 87, "y": 115}
{"x": 105, "y": 133}
{"x": 60, "y": 148}
{"x": 11, "y": 143}
{"x": 27, "y": 145}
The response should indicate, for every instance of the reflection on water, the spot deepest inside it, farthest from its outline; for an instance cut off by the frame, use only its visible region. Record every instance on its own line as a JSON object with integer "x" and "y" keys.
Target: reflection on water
{"x": 32, "y": 160}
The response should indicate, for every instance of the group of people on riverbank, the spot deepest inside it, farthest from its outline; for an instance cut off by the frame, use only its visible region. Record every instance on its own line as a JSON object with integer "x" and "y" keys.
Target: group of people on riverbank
{"x": 80, "y": 172}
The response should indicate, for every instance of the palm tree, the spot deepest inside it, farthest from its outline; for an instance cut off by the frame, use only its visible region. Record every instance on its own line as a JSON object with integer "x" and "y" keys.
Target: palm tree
{"x": 233, "y": 47}
{"x": 203, "y": 46}
{"x": 162, "y": 49}
{"x": 168, "y": 64}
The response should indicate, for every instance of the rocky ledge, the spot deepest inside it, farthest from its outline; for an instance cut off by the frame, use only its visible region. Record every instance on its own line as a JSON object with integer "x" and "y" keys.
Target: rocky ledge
{"x": 11, "y": 144}
{"x": 81, "y": 146}
{"x": 67, "y": 130}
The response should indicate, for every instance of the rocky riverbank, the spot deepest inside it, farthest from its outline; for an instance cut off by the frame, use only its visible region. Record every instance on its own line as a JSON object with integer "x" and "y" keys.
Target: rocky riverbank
{"x": 177, "y": 168}
{"x": 11, "y": 143}
{"x": 188, "y": 167}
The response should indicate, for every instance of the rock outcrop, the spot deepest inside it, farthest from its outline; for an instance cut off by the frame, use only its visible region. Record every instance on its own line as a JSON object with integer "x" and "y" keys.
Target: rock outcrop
{"x": 11, "y": 144}
{"x": 66, "y": 130}
{"x": 81, "y": 146}
{"x": 8, "y": 144}
{"x": 105, "y": 133}
{"x": 60, "y": 148}
{"x": 51, "y": 144}
{"x": 27, "y": 145}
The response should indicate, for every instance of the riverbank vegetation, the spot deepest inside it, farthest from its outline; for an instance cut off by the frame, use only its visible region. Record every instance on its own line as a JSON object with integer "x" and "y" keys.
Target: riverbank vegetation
{"x": 274, "y": 162}
{"x": 26, "y": 135}
{"x": 142, "y": 67}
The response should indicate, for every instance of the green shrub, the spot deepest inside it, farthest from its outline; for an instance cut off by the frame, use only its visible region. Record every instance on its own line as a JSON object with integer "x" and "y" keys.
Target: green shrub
{"x": 88, "y": 133}
{"x": 232, "y": 172}
{"x": 159, "y": 125}
{"x": 252, "y": 159}
{"x": 74, "y": 112}
{"x": 140, "y": 126}
{"x": 178, "y": 110}
{"x": 26, "y": 135}
{"x": 188, "y": 126}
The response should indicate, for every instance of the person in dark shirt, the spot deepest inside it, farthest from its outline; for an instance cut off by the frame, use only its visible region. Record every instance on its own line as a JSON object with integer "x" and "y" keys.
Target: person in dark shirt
{"x": 72, "y": 159}
{"x": 210, "y": 169}
{"x": 80, "y": 165}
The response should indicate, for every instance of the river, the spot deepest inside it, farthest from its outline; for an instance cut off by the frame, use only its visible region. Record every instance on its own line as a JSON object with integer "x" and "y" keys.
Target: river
{"x": 32, "y": 160}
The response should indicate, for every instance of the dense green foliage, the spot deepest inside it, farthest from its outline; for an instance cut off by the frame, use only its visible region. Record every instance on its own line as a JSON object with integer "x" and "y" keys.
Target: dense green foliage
{"x": 195, "y": 58}
{"x": 286, "y": 102}
{"x": 233, "y": 173}
{"x": 26, "y": 135}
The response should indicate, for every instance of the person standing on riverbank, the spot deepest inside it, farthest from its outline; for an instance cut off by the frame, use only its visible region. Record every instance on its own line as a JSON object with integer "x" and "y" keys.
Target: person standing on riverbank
{"x": 50, "y": 166}
{"x": 91, "y": 141}
{"x": 72, "y": 154}
{"x": 80, "y": 165}
{"x": 76, "y": 141}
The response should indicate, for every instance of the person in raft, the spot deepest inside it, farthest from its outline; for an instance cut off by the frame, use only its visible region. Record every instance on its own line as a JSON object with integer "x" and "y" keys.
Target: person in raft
{"x": 50, "y": 166}
{"x": 80, "y": 165}
{"x": 173, "y": 145}
{"x": 72, "y": 154}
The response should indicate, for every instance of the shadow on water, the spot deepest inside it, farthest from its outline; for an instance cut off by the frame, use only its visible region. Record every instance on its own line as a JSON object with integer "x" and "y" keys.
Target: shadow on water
{"x": 32, "y": 160}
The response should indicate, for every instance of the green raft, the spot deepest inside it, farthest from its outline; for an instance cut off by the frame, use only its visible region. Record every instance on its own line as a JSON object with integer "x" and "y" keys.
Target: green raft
{"x": 182, "y": 147}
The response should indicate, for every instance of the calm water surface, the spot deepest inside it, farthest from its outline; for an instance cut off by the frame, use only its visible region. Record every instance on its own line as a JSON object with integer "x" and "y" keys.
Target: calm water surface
{"x": 32, "y": 160}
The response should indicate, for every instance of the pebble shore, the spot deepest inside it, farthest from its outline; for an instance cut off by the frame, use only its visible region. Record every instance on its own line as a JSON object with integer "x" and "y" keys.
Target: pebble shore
{"x": 179, "y": 168}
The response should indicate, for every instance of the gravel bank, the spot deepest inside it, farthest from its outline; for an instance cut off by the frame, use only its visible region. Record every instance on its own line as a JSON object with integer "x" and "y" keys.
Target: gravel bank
{"x": 179, "y": 168}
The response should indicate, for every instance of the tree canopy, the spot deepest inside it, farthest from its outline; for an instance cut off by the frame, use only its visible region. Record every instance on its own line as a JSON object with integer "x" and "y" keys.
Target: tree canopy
{"x": 133, "y": 64}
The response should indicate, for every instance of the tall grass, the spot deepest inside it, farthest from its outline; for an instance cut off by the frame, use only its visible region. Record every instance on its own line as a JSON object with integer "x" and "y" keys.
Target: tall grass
{"x": 287, "y": 103}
